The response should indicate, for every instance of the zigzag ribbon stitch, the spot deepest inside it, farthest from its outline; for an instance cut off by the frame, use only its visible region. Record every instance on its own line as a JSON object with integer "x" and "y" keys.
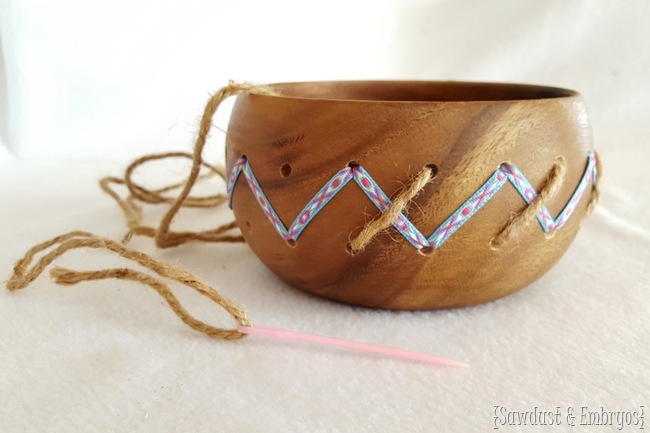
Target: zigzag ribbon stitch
{"x": 505, "y": 173}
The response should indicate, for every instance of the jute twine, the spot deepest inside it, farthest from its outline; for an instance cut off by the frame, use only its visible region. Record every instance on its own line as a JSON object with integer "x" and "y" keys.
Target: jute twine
{"x": 25, "y": 273}
{"x": 511, "y": 229}
{"x": 551, "y": 186}
{"x": 520, "y": 220}
{"x": 388, "y": 218}
{"x": 163, "y": 235}
{"x": 137, "y": 193}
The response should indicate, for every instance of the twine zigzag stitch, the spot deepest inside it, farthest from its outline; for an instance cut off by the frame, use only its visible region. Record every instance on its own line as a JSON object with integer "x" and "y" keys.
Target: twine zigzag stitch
{"x": 505, "y": 173}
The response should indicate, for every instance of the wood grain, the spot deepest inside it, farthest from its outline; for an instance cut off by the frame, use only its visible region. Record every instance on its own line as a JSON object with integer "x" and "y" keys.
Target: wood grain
{"x": 296, "y": 141}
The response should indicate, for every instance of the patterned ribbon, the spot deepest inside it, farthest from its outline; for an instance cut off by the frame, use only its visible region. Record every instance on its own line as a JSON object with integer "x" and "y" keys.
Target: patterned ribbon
{"x": 505, "y": 173}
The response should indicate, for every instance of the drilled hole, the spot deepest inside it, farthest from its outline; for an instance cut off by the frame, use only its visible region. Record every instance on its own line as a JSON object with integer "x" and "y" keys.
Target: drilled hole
{"x": 425, "y": 251}
{"x": 292, "y": 243}
{"x": 493, "y": 245}
{"x": 285, "y": 170}
{"x": 503, "y": 164}
{"x": 434, "y": 170}
{"x": 353, "y": 164}
{"x": 248, "y": 225}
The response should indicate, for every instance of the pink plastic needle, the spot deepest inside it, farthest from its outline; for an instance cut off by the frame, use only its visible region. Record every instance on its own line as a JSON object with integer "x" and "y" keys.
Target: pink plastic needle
{"x": 266, "y": 331}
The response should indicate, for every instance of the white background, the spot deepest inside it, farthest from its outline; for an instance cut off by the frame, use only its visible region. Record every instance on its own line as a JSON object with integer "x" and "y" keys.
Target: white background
{"x": 85, "y": 79}
{"x": 85, "y": 86}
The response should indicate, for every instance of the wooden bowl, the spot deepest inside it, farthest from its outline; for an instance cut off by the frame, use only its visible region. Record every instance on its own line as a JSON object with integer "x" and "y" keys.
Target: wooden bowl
{"x": 294, "y": 143}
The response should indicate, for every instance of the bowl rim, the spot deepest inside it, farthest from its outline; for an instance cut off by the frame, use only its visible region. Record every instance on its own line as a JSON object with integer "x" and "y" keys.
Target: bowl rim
{"x": 528, "y": 91}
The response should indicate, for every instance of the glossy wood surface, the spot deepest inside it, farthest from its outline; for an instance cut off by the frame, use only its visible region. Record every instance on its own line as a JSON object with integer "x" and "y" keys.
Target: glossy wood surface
{"x": 296, "y": 141}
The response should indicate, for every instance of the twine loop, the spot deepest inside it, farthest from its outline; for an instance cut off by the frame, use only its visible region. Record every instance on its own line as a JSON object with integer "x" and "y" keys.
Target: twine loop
{"x": 164, "y": 236}
{"x": 389, "y": 216}
{"x": 513, "y": 227}
{"x": 520, "y": 220}
{"x": 25, "y": 273}
{"x": 551, "y": 186}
